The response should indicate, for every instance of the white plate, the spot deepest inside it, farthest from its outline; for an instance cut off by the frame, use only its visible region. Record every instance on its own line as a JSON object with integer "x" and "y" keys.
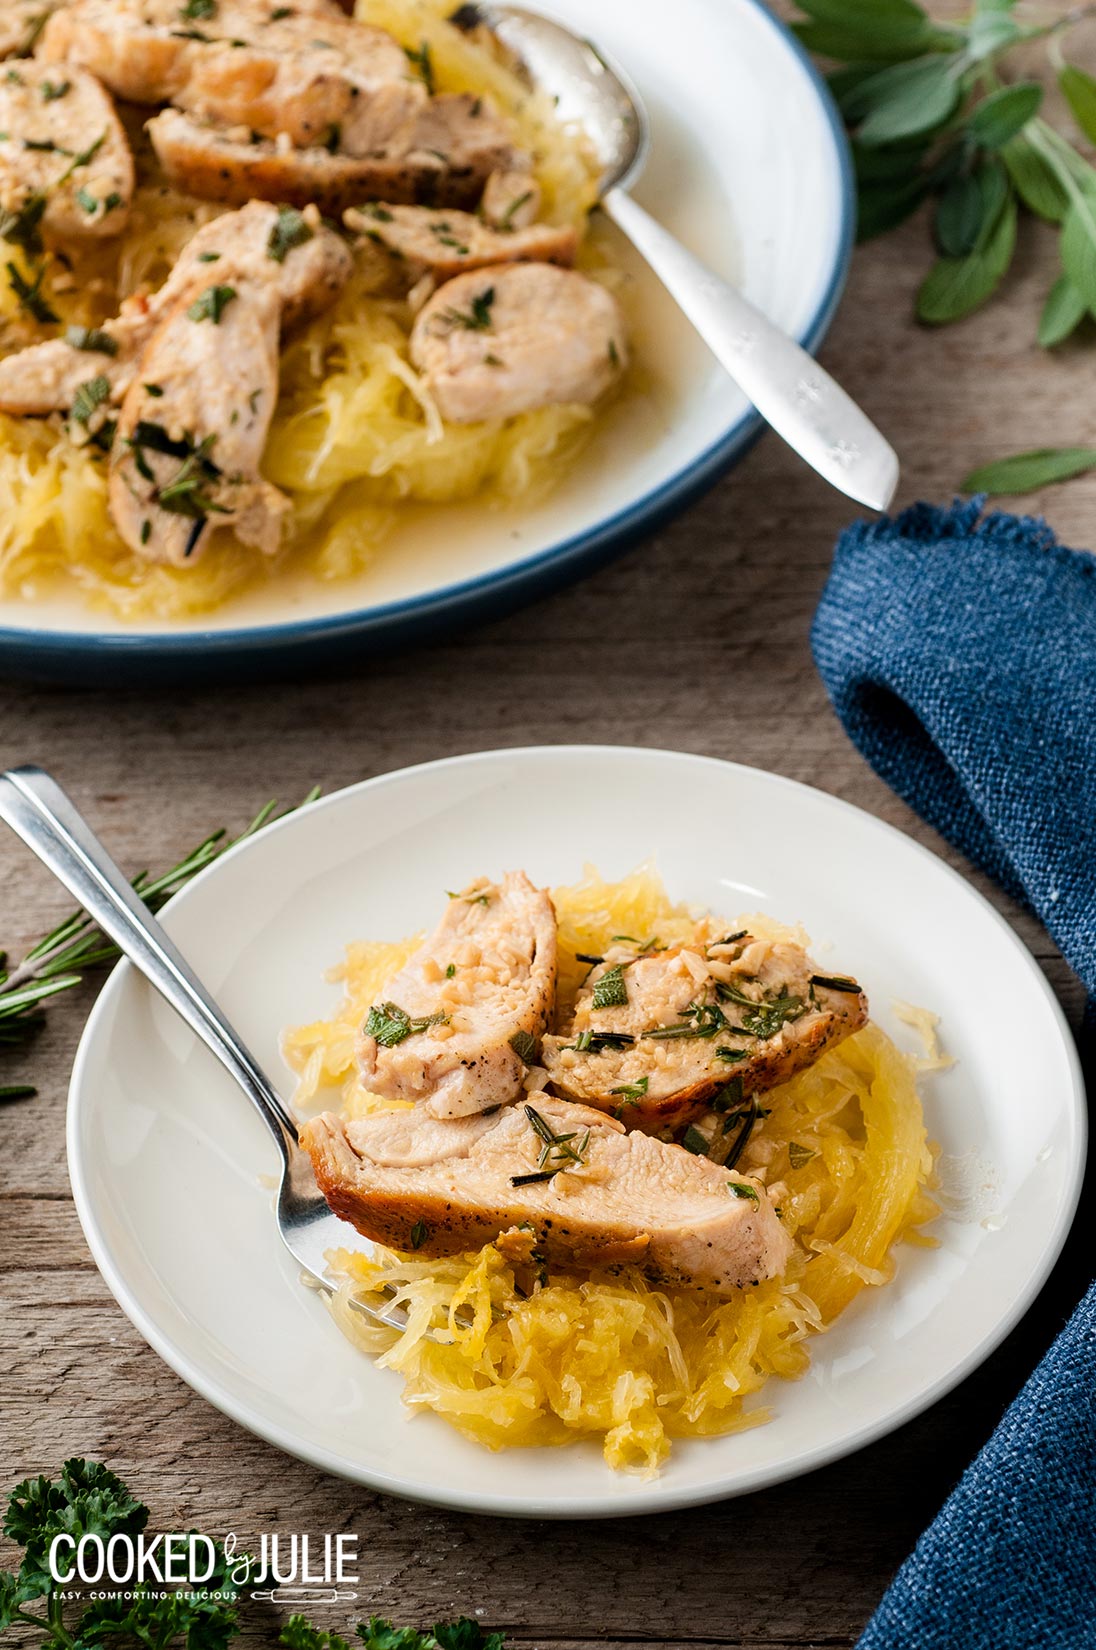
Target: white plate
{"x": 750, "y": 168}
{"x": 165, "y": 1154}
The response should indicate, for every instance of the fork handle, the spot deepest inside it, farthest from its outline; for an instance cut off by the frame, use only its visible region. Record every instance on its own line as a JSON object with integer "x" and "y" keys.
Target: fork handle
{"x": 38, "y": 810}
{"x": 790, "y": 390}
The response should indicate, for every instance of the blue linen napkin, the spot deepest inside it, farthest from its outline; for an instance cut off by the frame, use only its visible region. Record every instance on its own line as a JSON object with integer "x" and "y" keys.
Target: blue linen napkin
{"x": 960, "y": 654}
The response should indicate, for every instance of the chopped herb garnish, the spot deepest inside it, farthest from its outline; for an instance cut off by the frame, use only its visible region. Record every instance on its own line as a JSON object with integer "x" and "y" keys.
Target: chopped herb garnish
{"x": 53, "y": 89}
{"x": 769, "y": 1017}
{"x": 198, "y": 9}
{"x": 835, "y": 982}
{"x": 506, "y": 222}
{"x": 737, "y": 1189}
{"x": 524, "y": 1045}
{"x": 614, "y": 353}
{"x": 281, "y": 12}
{"x": 632, "y": 1091}
{"x": 725, "y": 1053}
{"x": 289, "y": 230}
{"x": 699, "y": 1020}
{"x": 729, "y": 1097}
{"x": 696, "y": 1142}
{"x": 389, "y": 1024}
{"x": 419, "y": 1234}
{"x": 91, "y": 339}
{"x": 469, "y": 899}
{"x": 155, "y": 390}
{"x": 738, "y": 1144}
{"x": 475, "y": 319}
{"x": 610, "y": 990}
{"x": 88, "y": 397}
{"x": 45, "y": 146}
{"x": 798, "y": 1155}
{"x": 588, "y": 957}
{"x": 373, "y": 209}
{"x": 87, "y": 201}
{"x": 333, "y": 138}
{"x": 146, "y": 531}
{"x": 209, "y": 257}
{"x": 23, "y": 227}
{"x": 450, "y": 971}
{"x": 627, "y": 939}
{"x": 424, "y": 63}
{"x": 557, "y": 1153}
{"x": 595, "y": 1042}
{"x": 29, "y": 294}
{"x": 212, "y": 304}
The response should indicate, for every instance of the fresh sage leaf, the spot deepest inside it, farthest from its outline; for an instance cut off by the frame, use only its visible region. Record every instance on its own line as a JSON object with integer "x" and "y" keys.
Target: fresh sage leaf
{"x": 968, "y": 209}
{"x": 1034, "y": 181}
{"x": 955, "y": 287}
{"x": 1027, "y": 472}
{"x": 906, "y": 99}
{"x": 1004, "y": 114}
{"x": 1062, "y": 313}
{"x": 1079, "y": 90}
{"x": 1078, "y": 242}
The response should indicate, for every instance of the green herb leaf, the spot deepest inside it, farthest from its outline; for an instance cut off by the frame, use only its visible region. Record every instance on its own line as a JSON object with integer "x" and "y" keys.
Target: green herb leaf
{"x": 524, "y": 1045}
{"x": 737, "y": 1189}
{"x": 798, "y": 1155}
{"x": 906, "y": 99}
{"x": 299, "y": 1634}
{"x": 22, "y": 227}
{"x": 212, "y": 304}
{"x": 1027, "y": 472}
{"x": 1078, "y": 242}
{"x": 835, "y": 982}
{"x": 954, "y": 287}
{"x": 29, "y": 294}
{"x": 1034, "y": 181}
{"x": 289, "y": 231}
{"x": 610, "y": 990}
{"x": 419, "y": 1234}
{"x": 968, "y": 209}
{"x": 389, "y": 1024}
{"x": 695, "y": 1142}
{"x": 1079, "y": 89}
{"x": 477, "y": 318}
{"x": 88, "y": 397}
{"x": 1062, "y": 313}
{"x": 91, "y": 339}
{"x": 632, "y": 1091}
{"x": 1002, "y": 115}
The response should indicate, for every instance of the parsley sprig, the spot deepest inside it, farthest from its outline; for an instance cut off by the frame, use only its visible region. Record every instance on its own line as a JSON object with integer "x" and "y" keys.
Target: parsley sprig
{"x": 62, "y": 959}
{"x": 936, "y": 117}
{"x": 377, "y": 1634}
{"x": 89, "y": 1499}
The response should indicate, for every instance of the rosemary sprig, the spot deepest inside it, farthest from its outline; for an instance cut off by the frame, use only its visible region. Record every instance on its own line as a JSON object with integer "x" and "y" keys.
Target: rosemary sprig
{"x": 66, "y": 954}
{"x": 556, "y": 1153}
{"x": 936, "y": 119}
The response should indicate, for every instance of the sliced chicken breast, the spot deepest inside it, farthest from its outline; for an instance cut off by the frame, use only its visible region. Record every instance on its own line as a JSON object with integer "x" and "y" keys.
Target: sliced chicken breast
{"x": 65, "y": 160}
{"x": 425, "y": 241}
{"x": 503, "y": 340}
{"x": 457, "y": 1026}
{"x": 193, "y": 427}
{"x": 307, "y": 264}
{"x": 511, "y": 199}
{"x": 597, "y": 1197}
{"x": 194, "y": 420}
{"x": 21, "y": 22}
{"x": 237, "y": 164}
{"x": 316, "y": 77}
{"x": 656, "y": 1035}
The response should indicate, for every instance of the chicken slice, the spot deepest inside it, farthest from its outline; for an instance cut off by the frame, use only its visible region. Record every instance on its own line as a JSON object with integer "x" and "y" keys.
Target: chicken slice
{"x": 65, "y": 160}
{"x": 236, "y": 247}
{"x": 511, "y": 199}
{"x": 656, "y": 1035}
{"x": 237, "y": 164}
{"x": 195, "y": 419}
{"x": 457, "y": 1025}
{"x": 425, "y": 241}
{"x": 597, "y": 1197}
{"x": 316, "y": 77}
{"x": 503, "y": 340}
{"x": 192, "y": 429}
{"x": 21, "y": 22}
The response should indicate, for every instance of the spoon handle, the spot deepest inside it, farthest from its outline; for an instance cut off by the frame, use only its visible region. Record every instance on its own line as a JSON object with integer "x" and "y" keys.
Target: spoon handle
{"x": 38, "y": 810}
{"x": 786, "y": 385}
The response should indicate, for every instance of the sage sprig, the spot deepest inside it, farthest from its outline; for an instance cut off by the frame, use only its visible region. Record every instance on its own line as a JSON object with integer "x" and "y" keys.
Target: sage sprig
{"x": 64, "y": 956}
{"x": 937, "y": 117}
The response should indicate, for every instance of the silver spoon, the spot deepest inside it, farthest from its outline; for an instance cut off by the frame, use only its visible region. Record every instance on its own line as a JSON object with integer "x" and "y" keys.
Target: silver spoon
{"x": 38, "y": 810}
{"x": 802, "y": 403}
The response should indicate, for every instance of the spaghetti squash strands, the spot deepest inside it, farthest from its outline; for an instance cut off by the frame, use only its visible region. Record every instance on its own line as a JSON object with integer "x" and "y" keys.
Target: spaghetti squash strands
{"x": 513, "y": 1357}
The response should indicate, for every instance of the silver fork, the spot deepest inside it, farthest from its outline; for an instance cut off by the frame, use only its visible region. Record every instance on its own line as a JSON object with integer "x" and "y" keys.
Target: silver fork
{"x": 38, "y": 810}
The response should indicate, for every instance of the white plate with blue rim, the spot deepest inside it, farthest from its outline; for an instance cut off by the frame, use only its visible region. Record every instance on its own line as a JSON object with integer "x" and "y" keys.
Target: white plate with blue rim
{"x": 167, "y": 1159}
{"x": 749, "y": 166}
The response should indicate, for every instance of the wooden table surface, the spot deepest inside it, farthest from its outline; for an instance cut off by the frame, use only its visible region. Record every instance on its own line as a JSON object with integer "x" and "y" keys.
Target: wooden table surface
{"x": 698, "y": 640}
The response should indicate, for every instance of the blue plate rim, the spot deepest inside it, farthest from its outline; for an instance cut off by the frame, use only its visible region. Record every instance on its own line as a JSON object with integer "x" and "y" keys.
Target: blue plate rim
{"x": 617, "y": 530}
